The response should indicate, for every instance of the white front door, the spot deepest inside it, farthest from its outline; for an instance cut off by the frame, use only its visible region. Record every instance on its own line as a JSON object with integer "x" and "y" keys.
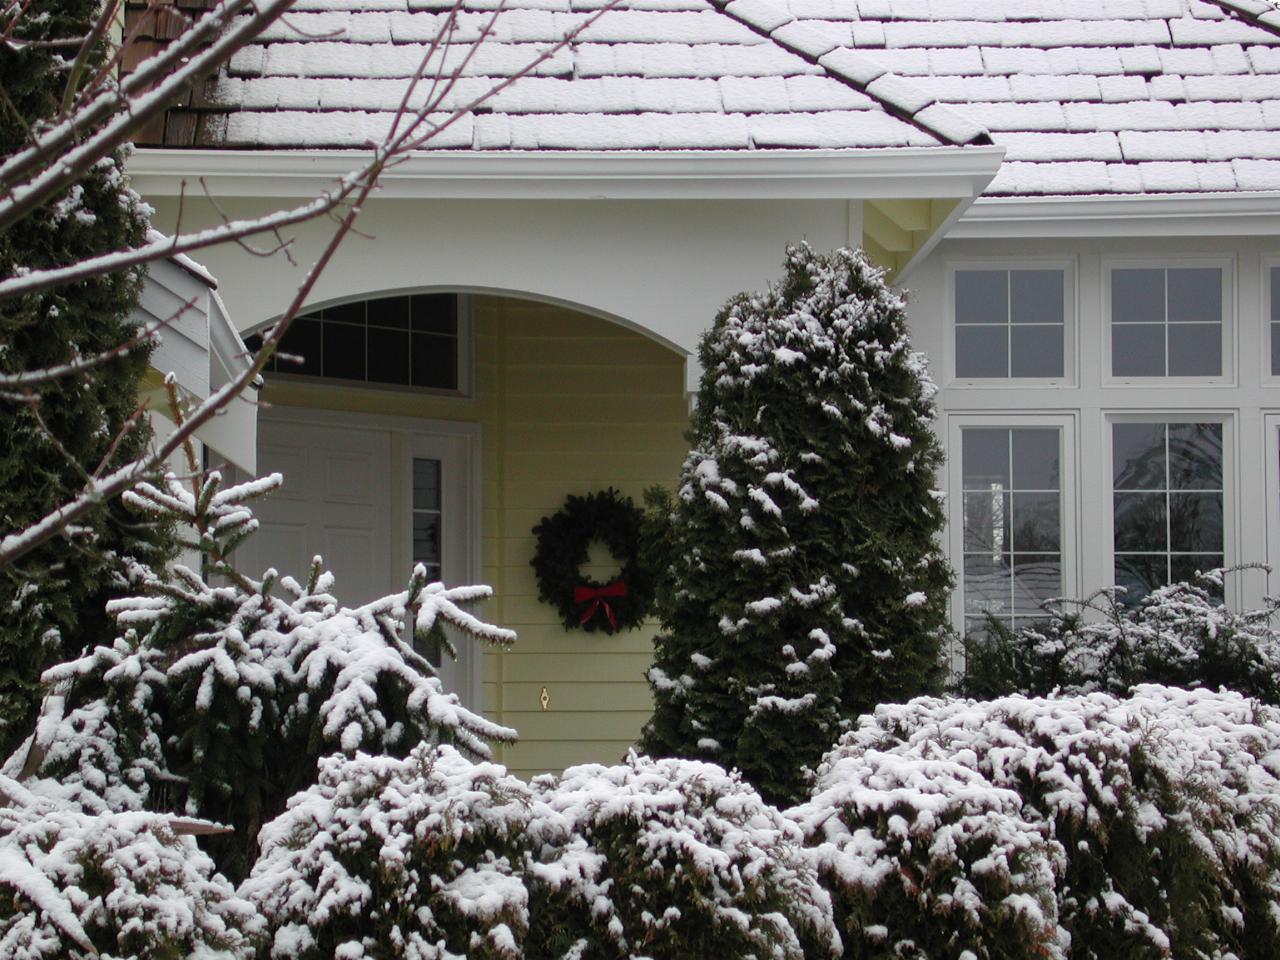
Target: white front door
{"x": 373, "y": 496}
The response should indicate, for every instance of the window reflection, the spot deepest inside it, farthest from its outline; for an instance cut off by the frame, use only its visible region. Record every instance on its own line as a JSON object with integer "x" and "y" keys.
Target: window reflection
{"x": 1167, "y": 503}
{"x": 1012, "y": 523}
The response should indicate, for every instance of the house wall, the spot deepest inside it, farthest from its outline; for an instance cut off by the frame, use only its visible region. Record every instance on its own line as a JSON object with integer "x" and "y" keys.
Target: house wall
{"x": 566, "y": 403}
{"x": 1247, "y": 400}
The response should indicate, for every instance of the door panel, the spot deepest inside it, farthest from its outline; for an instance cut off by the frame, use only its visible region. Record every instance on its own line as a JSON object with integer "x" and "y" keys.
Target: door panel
{"x": 335, "y": 502}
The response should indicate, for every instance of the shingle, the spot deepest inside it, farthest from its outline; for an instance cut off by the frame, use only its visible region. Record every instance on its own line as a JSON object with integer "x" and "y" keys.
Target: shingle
{"x": 1060, "y": 146}
{"x": 1104, "y": 96}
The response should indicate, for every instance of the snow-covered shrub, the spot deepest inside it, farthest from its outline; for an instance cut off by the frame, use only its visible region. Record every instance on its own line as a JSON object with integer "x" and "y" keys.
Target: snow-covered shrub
{"x": 805, "y": 578}
{"x": 668, "y": 859}
{"x": 221, "y": 692}
{"x": 115, "y": 885}
{"x": 415, "y": 858}
{"x": 1179, "y": 635}
{"x": 925, "y": 858}
{"x": 1162, "y": 811}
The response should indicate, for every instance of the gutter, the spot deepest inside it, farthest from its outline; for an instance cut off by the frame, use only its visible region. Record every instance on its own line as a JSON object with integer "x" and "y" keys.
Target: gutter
{"x": 885, "y": 173}
{"x": 1166, "y": 215}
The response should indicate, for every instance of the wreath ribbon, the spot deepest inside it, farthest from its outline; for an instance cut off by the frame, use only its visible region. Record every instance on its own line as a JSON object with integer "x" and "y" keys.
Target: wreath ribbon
{"x": 599, "y": 598}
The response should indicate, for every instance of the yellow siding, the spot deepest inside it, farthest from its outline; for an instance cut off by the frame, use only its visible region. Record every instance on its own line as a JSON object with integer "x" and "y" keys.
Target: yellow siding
{"x": 567, "y": 404}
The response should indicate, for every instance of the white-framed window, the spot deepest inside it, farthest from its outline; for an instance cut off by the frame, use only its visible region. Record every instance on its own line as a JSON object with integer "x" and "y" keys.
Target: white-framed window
{"x": 1170, "y": 502}
{"x": 1011, "y": 321}
{"x": 1012, "y": 533}
{"x": 1271, "y": 317}
{"x": 1168, "y": 320}
{"x": 418, "y": 341}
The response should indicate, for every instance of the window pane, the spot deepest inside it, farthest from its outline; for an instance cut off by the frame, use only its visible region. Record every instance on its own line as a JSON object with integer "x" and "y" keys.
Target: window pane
{"x": 1275, "y": 321}
{"x": 1035, "y": 459}
{"x": 389, "y": 356}
{"x": 1139, "y": 575}
{"x": 1184, "y": 567}
{"x": 345, "y": 313}
{"x": 1195, "y": 295}
{"x": 435, "y": 313}
{"x": 1036, "y": 296}
{"x": 1035, "y": 580}
{"x": 982, "y": 351}
{"x": 984, "y": 458}
{"x": 987, "y": 584}
{"x": 1138, "y": 460}
{"x": 1035, "y": 351}
{"x": 1137, "y": 296}
{"x": 982, "y": 296}
{"x": 1141, "y": 522}
{"x": 302, "y": 340}
{"x": 1137, "y": 350}
{"x": 1275, "y": 349}
{"x": 426, "y": 484}
{"x": 986, "y": 522}
{"x": 1195, "y": 522}
{"x": 389, "y": 312}
{"x": 1195, "y": 456}
{"x": 426, "y": 538}
{"x": 1036, "y": 522}
{"x": 1195, "y": 350}
{"x": 434, "y": 361}
{"x": 343, "y": 351}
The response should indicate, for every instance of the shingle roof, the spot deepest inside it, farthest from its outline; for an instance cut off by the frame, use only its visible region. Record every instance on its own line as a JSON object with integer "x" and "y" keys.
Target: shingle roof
{"x": 648, "y": 75}
{"x": 1088, "y": 96}
{"x": 1091, "y": 96}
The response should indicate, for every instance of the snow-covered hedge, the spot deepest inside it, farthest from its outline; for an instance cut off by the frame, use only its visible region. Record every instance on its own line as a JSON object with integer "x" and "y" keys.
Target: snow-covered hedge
{"x": 416, "y": 858}
{"x": 435, "y": 857}
{"x": 1159, "y": 816}
{"x": 669, "y": 859}
{"x": 116, "y": 885}
{"x": 925, "y": 858}
{"x": 1179, "y": 635}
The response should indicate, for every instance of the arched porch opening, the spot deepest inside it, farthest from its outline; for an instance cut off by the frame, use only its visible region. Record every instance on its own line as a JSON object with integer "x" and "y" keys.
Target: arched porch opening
{"x": 556, "y": 400}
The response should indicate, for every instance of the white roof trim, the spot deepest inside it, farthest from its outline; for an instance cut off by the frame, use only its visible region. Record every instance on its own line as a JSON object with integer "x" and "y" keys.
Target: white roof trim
{"x": 895, "y": 172}
{"x": 1188, "y": 214}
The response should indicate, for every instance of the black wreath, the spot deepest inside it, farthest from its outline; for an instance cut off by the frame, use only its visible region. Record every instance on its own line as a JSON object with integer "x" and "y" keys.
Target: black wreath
{"x": 563, "y": 541}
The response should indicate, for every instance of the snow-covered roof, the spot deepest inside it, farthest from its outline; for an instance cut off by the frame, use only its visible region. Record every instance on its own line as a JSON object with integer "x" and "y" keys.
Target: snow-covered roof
{"x": 1090, "y": 96}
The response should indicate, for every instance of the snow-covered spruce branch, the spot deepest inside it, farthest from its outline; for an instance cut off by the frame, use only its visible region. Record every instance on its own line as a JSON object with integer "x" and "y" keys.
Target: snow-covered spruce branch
{"x": 58, "y": 157}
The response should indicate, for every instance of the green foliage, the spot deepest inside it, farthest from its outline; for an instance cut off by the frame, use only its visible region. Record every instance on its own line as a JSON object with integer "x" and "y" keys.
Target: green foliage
{"x": 1180, "y": 635}
{"x": 387, "y": 858}
{"x": 1157, "y": 816}
{"x": 925, "y": 858}
{"x": 805, "y": 583}
{"x": 52, "y": 601}
{"x": 221, "y": 693}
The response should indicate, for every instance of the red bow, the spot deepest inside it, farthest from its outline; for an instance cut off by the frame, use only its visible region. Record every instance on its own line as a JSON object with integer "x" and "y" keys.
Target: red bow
{"x": 597, "y": 597}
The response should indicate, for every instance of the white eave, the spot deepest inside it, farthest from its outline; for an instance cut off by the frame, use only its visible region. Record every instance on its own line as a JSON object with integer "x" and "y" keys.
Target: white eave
{"x": 896, "y": 173}
{"x": 1167, "y": 215}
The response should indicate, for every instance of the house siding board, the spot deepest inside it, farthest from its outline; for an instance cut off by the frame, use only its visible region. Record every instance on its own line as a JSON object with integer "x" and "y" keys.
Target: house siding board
{"x": 566, "y": 403}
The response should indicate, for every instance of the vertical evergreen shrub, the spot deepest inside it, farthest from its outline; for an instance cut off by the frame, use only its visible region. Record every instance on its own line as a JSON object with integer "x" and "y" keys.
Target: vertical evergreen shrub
{"x": 51, "y": 603}
{"x": 806, "y": 582}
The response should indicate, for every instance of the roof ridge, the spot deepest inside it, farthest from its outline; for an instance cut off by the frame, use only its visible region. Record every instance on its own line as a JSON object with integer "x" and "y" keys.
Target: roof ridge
{"x": 897, "y": 95}
{"x": 1258, "y": 12}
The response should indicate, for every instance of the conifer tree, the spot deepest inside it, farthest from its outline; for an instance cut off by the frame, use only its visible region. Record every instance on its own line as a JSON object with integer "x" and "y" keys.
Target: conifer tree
{"x": 51, "y": 603}
{"x": 806, "y": 581}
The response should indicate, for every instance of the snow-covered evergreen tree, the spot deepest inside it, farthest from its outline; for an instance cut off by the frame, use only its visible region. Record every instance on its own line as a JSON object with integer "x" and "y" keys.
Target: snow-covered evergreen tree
{"x": 221, "y": 692}
{"x": 54, "y": 433}
{"x": 807, "y": 583}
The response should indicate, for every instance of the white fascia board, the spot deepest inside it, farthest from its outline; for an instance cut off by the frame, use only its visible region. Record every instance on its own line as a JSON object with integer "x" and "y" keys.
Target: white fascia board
{"x": 896, "y": 173}
{"x": 1153, "y": 215}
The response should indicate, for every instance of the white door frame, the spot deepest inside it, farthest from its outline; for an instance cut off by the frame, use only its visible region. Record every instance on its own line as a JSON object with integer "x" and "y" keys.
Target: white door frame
{"x": 452, "y": 441}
